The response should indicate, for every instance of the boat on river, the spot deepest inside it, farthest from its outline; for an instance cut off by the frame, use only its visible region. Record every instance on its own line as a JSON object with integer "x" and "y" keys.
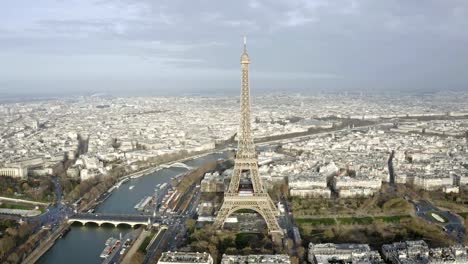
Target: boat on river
{"x": 111, "y": 244}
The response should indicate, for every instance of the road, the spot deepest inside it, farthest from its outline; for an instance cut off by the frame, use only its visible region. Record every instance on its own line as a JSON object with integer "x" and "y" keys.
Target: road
{"x": 453, "y": 225}
{"x": 56, "y": 213}
{"x": 54, "y": 217}
{"x": 118, "y": 253}
{"x": 168, "y": 239}
{"x": 157, "y": 246}
{"x": 173, "y": 237}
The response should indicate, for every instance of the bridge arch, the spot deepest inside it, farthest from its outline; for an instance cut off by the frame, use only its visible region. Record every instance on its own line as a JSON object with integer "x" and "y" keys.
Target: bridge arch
{"x": 181, "y": 165}
{"x": 92, "y": 223}
{"x": 107, "y": 224}
{"x": 76, "y": 222}
{"x": 124, "y": 225}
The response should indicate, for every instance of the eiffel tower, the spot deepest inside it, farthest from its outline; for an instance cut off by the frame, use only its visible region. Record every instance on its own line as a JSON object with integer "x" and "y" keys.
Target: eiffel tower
{"x": 246, "y": 161}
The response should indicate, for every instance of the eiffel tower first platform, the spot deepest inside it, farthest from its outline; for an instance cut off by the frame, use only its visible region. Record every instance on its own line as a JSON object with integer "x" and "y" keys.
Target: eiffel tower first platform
{"x": 246, "y": 161}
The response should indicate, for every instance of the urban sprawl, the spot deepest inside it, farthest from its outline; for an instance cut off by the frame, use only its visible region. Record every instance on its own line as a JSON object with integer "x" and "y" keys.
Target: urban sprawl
{"x": 323, "y": 147}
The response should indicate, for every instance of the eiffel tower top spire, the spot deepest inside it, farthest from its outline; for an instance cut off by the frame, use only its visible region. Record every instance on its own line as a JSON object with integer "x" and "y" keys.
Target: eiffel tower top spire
{"x": 245, "y": 57}
{"x": 245, "y": 44}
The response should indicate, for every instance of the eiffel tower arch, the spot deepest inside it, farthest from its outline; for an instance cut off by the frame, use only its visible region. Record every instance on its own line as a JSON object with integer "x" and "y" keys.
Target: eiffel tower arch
{"x": 246, "y": 161}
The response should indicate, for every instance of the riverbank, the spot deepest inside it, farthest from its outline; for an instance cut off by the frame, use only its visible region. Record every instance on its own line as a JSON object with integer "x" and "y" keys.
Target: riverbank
{"x": 45, "y": 245}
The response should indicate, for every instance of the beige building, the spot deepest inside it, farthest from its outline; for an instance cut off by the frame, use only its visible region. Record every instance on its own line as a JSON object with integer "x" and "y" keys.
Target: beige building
{"x": 14, "y": 171}
{"x": 255, "y": 259}
{"x": 342, "y": 253}
{"x": 185, "y": 258}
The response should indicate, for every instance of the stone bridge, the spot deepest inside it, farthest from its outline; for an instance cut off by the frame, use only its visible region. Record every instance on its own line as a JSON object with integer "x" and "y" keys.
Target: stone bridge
{"x": 178, "y": 165}
{"x": 114, "y": 219}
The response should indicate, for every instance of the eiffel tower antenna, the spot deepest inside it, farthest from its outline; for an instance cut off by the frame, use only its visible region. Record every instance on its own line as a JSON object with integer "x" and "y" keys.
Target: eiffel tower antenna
{"x": 246, "y": 161}
{"x": 245, "y": 44}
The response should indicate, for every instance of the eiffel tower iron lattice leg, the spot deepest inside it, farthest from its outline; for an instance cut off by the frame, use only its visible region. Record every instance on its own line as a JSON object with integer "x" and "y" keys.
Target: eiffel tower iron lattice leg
{"x": 260, "y": 204}
{"x": 246, "y": 161}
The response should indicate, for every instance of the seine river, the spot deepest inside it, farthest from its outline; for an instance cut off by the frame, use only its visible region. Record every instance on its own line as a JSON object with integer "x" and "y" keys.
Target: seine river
{"x": 83, "y": 244}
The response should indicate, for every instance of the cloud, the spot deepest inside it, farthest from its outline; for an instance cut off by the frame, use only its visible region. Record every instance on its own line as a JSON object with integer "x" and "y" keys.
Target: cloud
{"x": 254, "y": 4}
{"x": 241, "y": 24}
{"x": 294, "y": 75}
{"x": 337, "y": 43}
{"x": 296, "y": 18}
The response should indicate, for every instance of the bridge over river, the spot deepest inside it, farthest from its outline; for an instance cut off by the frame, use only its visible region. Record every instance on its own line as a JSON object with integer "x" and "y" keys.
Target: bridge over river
{"x": 115, "y": 219}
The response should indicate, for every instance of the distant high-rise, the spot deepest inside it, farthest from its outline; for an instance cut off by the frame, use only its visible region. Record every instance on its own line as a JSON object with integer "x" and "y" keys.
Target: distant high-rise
{"x": 246, "y": 161}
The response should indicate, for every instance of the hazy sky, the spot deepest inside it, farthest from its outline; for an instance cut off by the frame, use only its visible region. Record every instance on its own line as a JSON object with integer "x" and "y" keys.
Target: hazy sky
{"x": 191, "y": 46}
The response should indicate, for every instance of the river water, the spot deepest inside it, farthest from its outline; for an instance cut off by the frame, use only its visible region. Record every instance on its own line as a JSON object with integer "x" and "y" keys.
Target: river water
{"x": 83, "y": 244}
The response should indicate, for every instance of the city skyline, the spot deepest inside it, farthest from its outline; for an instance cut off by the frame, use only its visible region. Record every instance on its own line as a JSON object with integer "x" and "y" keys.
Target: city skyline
{"x": 173, "y": 47}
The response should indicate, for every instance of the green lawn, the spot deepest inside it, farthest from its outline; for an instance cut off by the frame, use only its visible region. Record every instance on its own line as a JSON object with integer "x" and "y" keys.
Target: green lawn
{"x": 350, "y": 220}
{"x": 356, "y": 220}
{"x": 16, "y": 206}
{"x": 391, "y": 219}
{"x": 316, "y": 221}
{"x": 463, "y": 214}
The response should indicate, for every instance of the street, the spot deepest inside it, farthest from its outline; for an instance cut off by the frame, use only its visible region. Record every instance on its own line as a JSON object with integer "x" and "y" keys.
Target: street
{"x": 453, "y": 225}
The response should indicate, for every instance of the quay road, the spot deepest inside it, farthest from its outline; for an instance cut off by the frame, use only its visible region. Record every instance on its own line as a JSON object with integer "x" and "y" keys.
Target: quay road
{"x": 156, "y": 247}
{"x": 167, "y": 239}
{"x": 45, "y": 245}
{"x": 172, "y": 238}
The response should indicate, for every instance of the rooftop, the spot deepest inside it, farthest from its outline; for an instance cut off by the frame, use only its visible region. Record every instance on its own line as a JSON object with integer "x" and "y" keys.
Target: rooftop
{"x": 185, "y": 257}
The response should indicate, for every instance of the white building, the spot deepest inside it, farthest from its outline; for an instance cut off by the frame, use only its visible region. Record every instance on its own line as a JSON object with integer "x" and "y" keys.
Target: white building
{"x": 452, "y": 255}
{"x": 310, "y": 192}
{"x": 347, "y": 186}
{"x": 185, "y": 258}
{"x": 342, "y": 253}
{"x": 419, "y": 252}
{"x": 255, "y": 259}
{"x": 434, "y": 181}
{"x": 14, "y": 171}
{"x": 409, "y": 250}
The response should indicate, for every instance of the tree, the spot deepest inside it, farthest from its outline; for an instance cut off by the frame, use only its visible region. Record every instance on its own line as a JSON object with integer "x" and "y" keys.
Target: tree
{"x": 24, "y": 230}
{"x": 328, "y": 234}
{"x": 137, "y": 258}
{"x": 9, "y": 191}
{"x": 12, "y": 231}
{"x": 190, "y": 224}
{"x": 6, "y": 244}
{"x": 13, "y": 258}
{"x": 301, "y": 252}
